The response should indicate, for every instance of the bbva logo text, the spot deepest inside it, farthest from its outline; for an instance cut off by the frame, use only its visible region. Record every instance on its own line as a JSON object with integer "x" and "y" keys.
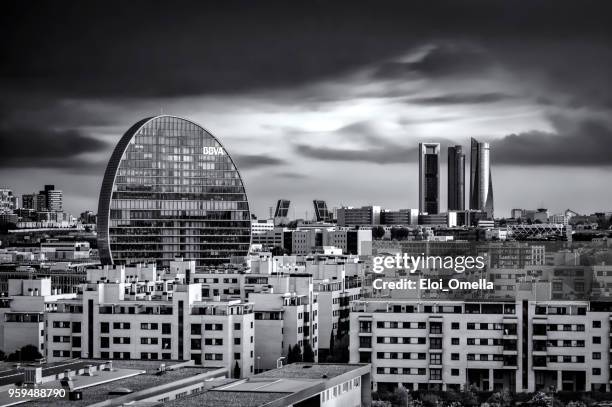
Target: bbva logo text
{"x": 213, "y": 151}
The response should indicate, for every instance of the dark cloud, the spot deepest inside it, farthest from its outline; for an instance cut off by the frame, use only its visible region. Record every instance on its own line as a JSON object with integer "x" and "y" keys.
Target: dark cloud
{"x": 462, "y": 98}
{"x": 97, "y": 49}
{"x": 371, "y": 146}
{"x": 587, "y": 143}
{"x": 47, "y": 148}
{"x": 379, "y": 155}
{"x": 443, "y": 60}
{"x": 292, "y": 175}
{"x": 249, "y": 161}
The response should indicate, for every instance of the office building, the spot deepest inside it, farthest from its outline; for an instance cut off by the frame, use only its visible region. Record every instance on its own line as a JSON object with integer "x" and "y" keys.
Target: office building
{"x": 481, "y": 184}
{"x": 36, "y": 202}
{"x": 366, "y": 215}
{"x": 352, "y": 241}
{"x": 400, "y": 217}
{"x": 456, "y": 178}
{"x": 322, "y": 214}
{"x": 429, "y": 178}
{"x": 516, "y": 345}
{"x": 282, "y": 208}
{"x": 171, "y": 190}
{"x": 47, "y": 200}
{"x": 8, "y": 201}
{"x": 267, "y": 240}
{"x": 53, "y": 198}
{"x": 281, "y": 212}
{"x": 261, "y": 226}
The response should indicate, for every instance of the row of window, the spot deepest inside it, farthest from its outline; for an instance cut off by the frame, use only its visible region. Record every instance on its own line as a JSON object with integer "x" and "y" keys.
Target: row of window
{"x": 339, "y": 389}
{"x": 434, "y": 374}
{"x": 435, "y": 327}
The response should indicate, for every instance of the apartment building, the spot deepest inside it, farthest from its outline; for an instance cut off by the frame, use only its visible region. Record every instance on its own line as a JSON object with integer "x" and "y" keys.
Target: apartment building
{"x": 22, "y": 313}
{"x": 334, "y": 299}
{"x": 519, "y": 345}
{"x": 125, "y": 317}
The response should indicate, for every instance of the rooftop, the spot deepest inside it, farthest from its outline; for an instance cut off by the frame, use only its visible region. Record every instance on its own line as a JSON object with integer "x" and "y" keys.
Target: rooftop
{"x": 311, "y": 370}
{"x": 271, "y": 386}
{"x": 136, "y": 375}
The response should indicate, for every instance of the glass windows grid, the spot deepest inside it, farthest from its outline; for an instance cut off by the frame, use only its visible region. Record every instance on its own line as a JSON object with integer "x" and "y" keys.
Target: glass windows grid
{"x": 177, "y": 193}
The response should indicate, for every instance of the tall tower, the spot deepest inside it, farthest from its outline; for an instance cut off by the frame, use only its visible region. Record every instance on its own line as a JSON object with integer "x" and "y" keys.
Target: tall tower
{"x": 456, "y": 179}
{"x": 322, "y": 214}
{"x": 481, "y": 184}
{"x": 429, "y": 178}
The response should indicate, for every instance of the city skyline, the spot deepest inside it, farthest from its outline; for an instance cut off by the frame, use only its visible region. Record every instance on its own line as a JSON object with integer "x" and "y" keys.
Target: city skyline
{"x": 339, "y": 122}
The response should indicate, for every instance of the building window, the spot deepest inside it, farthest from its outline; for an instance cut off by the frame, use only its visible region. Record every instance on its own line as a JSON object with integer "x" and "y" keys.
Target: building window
{"x": 435, "y": 343}
{"x": 455, "y": 325}
{"x": 454, "y": 341}
{"x": 435, "y": 374}
{"x": 454, "y": 356}
{"x": 596, "y": 355}
{"x": 435, "y": 359}
{"x": 454, "y": 372}
{"x": 596, "y": 371}
{"x": 597, "y": 339}
{"x": 104, "y": 327}
{"x": 596, "y": 324}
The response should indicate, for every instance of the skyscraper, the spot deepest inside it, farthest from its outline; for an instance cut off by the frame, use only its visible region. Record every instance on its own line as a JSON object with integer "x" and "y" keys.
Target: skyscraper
{"x": 456, "y": 179}
{"x": 481, "y": 184}
{"x": 171, "y": 190}
{"x": 429, "y": 178}
{"x": 282, "y": 208}
{"x": 53, "y": 198}
{"x": 322, "y": 214}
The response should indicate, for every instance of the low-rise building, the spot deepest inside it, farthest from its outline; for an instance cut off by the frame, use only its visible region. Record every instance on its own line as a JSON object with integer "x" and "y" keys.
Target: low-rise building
{"x": 518, "y": 345}
{"x": 124, "y": 317}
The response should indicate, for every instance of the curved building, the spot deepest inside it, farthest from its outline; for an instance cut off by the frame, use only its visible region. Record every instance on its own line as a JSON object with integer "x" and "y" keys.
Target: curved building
{"x": 171, "y": 190}
{"x": 481, "y": 182}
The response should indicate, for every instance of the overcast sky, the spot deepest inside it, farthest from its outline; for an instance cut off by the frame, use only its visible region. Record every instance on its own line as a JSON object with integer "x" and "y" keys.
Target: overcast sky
{"x": 324, "y": 100}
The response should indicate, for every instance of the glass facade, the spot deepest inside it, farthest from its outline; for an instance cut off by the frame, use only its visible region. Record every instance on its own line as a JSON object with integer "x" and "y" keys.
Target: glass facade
{"x": 171, "y": 190}
{"x": 429, "y": 178}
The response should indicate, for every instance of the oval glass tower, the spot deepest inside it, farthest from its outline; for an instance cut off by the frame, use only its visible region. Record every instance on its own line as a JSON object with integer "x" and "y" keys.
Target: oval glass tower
{"x": 171, "y": 190}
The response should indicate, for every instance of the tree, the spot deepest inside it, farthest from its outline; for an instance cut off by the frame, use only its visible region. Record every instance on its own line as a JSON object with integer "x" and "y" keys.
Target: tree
{"x": 308, "y": 353}
{"x": 236, "y": 371}
{"x": 400, "y": 397}
{"x": 290, "y": 355}
{"x": 341, "y": 350}
{"x": 2, "y": 355}
{"x": 28, "y": 353}
{"x": 378, "y": 232}
{"x": 399, "y": 233}
{"x": 331, "y": 343}
{"x": 297, "y": 352}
